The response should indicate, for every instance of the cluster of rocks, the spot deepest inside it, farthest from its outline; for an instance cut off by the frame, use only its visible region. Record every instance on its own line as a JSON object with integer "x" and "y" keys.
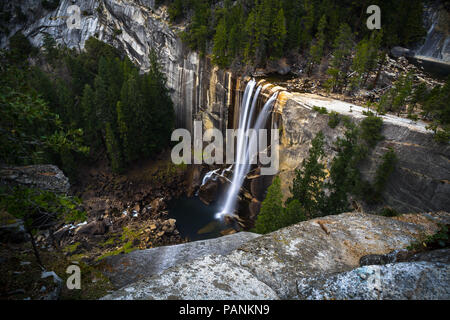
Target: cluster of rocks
{"x": 391, "y": 71}
{"x": 112, "y": 203}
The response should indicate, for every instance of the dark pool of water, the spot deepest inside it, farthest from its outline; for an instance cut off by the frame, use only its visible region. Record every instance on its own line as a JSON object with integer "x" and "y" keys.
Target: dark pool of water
{"x": 195, "y": 220}
{"x": 433, "y": 68}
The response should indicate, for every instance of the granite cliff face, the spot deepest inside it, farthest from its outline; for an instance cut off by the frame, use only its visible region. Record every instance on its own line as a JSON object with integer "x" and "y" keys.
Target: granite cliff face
{"x": 421, "y": 179}
{"x": 199, "y": 90}
{"x": 437, "y": 41}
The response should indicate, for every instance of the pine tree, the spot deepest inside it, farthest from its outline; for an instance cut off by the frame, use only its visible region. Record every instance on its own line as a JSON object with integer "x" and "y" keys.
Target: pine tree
{"x": 270, "y": 217}
{"x": 344, "y": 174}
{"x": 366, "y": 59}
{"x": 123, "y": 131}
{"x": 340, "y": 62}
{"x": 360, "y": 63}
{"x": 278, "y": 35}
{"x": 293, "y": 213}
{"x": 101, "y": 101}
{"x": 49, "y": 45}
{"x": 113, "y": 148}
{"x": 251, "y": 41}
{"x": 220, "y": 45}
{"x": 316, "y": 51}
{"x": 308, "y": 183}
{"x": 89, "y": 114}
{"x": 307, "y": 24}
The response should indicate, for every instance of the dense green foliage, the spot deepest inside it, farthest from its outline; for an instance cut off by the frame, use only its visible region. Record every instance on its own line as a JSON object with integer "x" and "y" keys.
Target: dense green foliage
{"x": 39, "y": 209}
{"x": 335, "y": 119}
{"x": 370, "y": 130}
{"x": 254, "y": 31}
{"x": 308, "y": 185}
{"x": 30, "y": 131}
{"x": 316, "y": 192}
{"x": 372, "y": 192}
{"x": 95, "y": 98}
{"x": 273, "y": 215}
{"x": 439, "y": 240}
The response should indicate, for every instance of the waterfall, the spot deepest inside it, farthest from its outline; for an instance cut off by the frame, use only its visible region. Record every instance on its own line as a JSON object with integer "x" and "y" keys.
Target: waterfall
{"x": 209, "y": 175}
{"x": 436, "y": 46}
{"x": 243, "y": 157}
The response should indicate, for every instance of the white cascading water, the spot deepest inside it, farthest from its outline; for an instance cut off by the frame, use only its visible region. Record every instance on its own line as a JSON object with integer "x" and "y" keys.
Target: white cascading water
{"x": 209, "y": 176}
{"x": 243, "y": 157}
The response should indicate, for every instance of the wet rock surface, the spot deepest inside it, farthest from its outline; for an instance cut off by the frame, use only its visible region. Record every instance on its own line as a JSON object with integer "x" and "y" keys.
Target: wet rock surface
{"x": 274, "y": 264}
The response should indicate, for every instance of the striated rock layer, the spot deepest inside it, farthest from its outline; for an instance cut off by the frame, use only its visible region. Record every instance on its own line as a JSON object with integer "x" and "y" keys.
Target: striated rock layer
{"x": 45, "y": 177}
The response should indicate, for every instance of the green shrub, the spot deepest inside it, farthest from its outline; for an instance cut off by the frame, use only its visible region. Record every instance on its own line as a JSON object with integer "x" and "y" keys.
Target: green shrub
{"x": 438, "y": 240}
{"x": 334, "y": 120}
{"x": 321, "y": 110}
{"x": 370, "y": 130}
{"x": 388, "y": 212}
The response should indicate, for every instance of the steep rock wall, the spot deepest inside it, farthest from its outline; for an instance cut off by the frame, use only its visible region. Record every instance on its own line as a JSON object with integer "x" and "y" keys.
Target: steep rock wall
{"x": 198, "y": 89}
{"x": 421, "y": 179}
{"x": 436, "y": 44}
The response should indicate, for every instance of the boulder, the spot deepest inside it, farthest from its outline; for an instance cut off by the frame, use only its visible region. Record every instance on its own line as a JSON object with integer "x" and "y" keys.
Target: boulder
{"x": 45, "y": 177}
{"x": 169, "y": 225}
{"x": 13, "y": 232}
{"x": 126, "y": 269}
{"x": 272, "y": 266}
{"x": 442, "y": 255}
{"x": 400, "y": 52}
{"x": 278, "y": 66}
{"x": 254, "y": 208}
{"x": 211, "y": 278}
{"x": 157, "y": 204}
{"x": 209, "y": 192}
{"x": 397, "y": 281}
{"x": 92, "y": 228}
{"x": 194, "y": 179}
{"x": 329, "y": 245}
